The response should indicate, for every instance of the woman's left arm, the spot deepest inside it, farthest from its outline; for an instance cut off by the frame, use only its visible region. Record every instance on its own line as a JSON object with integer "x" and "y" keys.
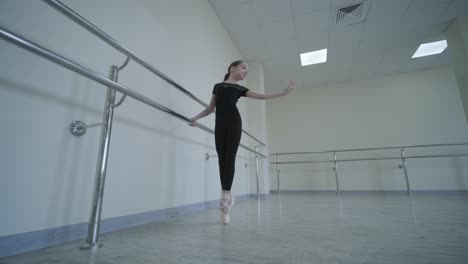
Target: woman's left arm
{"x": 272, "y": 95}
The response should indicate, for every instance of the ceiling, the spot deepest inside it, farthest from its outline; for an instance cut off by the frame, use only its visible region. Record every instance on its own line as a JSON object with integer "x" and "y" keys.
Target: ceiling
{"x": 275, "y": 32}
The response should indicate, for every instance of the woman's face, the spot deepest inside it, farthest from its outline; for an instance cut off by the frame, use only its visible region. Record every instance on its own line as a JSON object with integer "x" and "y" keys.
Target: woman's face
{"x": 240, "y": 71}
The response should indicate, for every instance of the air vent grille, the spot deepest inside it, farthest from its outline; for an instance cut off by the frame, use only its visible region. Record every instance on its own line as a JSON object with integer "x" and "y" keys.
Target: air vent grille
{"x": 351, "y": 14}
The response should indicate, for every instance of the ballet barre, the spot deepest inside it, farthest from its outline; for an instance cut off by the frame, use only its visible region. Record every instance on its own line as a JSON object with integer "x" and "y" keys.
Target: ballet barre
{"x": 335, "y": 161}
{"x": 92, "y": 241}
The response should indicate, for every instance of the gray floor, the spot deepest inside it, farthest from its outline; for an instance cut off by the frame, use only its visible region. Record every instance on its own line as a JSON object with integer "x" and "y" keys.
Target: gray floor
{"x": 313, "y": 227}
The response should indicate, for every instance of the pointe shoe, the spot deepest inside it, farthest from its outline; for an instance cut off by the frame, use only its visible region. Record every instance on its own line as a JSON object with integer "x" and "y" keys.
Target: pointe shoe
{"x": 231, "y": 202}
{"x": 225, "y": 205}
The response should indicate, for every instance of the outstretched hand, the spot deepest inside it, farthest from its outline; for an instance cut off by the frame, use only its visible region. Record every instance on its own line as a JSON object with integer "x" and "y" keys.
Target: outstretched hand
{"x": 291, "y": 87}
{"x": 192, "y": 122}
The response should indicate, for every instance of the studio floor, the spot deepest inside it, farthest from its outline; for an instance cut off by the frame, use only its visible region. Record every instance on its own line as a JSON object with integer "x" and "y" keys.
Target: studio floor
{"x": 292, "y": 227}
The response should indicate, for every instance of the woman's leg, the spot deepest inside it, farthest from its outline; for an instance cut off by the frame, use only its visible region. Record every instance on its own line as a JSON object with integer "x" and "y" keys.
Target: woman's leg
{"x": 227, "y": 141}
{"x": 230, "y": 151}
{"x": 231, "y": 146}
{"x": 220, "y": 142}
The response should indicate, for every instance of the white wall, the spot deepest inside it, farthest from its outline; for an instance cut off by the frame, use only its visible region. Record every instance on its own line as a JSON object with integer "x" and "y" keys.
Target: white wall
{"x": 155, "y": 160}
{"x": 256, "y": 119}
{"x": 409, "y": 109}
{"x": 457, "y": 39}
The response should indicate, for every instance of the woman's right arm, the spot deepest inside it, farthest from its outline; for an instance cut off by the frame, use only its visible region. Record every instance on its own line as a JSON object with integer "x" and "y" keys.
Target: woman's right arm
{"x": 208, "y": 110}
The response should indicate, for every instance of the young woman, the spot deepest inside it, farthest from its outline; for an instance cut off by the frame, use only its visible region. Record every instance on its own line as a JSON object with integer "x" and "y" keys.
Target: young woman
{"x": 228, "y": 126}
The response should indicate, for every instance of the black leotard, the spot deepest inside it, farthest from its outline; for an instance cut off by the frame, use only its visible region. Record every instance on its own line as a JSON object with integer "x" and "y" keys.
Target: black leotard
{"x": 228, "y": 129}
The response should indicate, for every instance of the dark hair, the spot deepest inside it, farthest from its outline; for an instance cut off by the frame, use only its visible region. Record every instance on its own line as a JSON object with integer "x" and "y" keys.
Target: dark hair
{"x": 234, "y": 64}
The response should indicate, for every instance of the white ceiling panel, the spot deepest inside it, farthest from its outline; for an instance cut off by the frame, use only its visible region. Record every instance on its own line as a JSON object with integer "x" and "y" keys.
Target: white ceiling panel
{"x": 315, "y": 70}
{"x": 221, "y": 6}
{"x": 282, "y": 63}
{"x": 248, "y": 39}
{"x": 429, "y": 62}
{"x": 417, "y": 18}
{"x": 396, "y": 60}
{"x": 377, "y": 35}
{"x": 311, "y": 23}
{"x": 281, "y": 48}
{"x": 405, "y": 37}
{"x": 377, "y": 44}
{"x": 365, "y": 66}
{"x": 316, "y": 41}
{"x": 271, "y": 10}
{"x": 275, "y": 32}
{"x": 300, "y": 7}
{"x": 457, "y": 8}
{"x": 425, "y": 4}
{"x": 238, "y": 19}
{"x": 385, "y": 9}
{"x": 255, "y": 54}
{"x": 340, "y": 55}
{"x": 340, "y": 3}
{"x": 346, "y": 34}
{"x": 280, "y": 30}
{"x": 379, "y": 28}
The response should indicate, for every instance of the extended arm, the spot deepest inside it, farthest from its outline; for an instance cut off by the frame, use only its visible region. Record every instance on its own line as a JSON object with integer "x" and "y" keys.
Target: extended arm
{"x": 254, "y": 95}
{"x": 208, "y": 110}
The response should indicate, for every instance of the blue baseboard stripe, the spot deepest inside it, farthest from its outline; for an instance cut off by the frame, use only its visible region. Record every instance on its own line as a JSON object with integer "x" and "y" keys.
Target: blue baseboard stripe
{"x": 20, "y": 243}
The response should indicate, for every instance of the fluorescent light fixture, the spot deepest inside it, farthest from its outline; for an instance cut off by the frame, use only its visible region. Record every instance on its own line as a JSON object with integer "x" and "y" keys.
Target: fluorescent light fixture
{"x": 314, "y": 57}
{"x": 431, "y": 48}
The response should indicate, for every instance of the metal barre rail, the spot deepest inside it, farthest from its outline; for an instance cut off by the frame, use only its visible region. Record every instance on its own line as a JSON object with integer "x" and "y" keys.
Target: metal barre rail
{"x": 403, "y": 159}
{"x": 365, "y": 149}
{"x": 114, "y": 43}
{"x": 73, "y": 66}
{"x": 368, "y": 159}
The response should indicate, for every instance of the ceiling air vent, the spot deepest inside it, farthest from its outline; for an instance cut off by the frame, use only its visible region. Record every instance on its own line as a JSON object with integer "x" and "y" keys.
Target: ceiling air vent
{"x": 352, "y": 13}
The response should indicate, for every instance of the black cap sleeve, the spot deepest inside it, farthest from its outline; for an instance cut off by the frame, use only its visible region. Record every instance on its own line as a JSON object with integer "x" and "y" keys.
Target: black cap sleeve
{"x": 243, "y": 90}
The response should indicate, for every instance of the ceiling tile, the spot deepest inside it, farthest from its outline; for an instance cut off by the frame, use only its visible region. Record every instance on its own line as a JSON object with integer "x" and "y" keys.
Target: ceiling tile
{"x": 420, "y": 5}
{"x": 275, "y": 32}
{"x": 421, "y": 18}
{"x": 240, "y": 19}
{"x": 395, "y": 61}
{"x": 377, "y": 35}
{"x": 374, "y": 45}
{"x": 429, "y": 62}
{"x": 406, "y": 37}
{"x": 339, "y": 54}
{"x": 301, "y": 7}
{"x": 282, "y": 63}
{"x": 340, "y": 3}
{"x": 278, "y": 31}
{"x": 365, "y": 65}
{"x": 271, "y": 10}
{"x": 380, "y": 28}
{"x": 346, "y": 34}
{"x": 312, "y": 23}
{"x": 248, "y": 39}
{"x": 315, "y": 70}
{"x": 457, "y": 8}
{"x": 385, "y": 9}
{"x": 313, "y": 42}
{"x": 255, "y": 54}
{"x": 221, "y": 6}
{"x": 281, "y": 48}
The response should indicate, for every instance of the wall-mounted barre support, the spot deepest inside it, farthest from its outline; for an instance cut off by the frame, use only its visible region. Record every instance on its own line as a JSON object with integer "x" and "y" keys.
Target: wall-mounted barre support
{"x": 79, "y": 128}
{"x": 92, "y": 241}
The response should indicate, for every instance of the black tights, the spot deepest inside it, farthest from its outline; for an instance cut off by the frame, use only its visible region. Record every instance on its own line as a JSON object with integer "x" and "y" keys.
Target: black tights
{"x": 227, "y": 139}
